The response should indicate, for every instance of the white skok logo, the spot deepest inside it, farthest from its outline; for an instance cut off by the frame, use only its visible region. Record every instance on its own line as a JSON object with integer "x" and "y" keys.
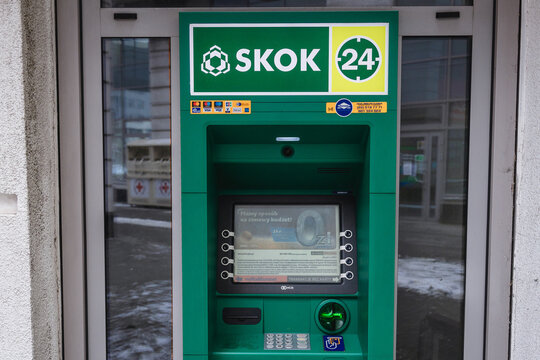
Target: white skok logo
{"x": 285, "y": 287}
{"x": 261, "y": 59}
{"x": 222, "y": 68}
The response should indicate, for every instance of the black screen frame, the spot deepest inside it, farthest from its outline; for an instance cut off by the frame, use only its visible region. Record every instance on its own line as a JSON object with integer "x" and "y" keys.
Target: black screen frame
{"x": 347, "y": 221}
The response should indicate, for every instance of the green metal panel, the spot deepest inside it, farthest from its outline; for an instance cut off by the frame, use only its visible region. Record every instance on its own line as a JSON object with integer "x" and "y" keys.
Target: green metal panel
{"x": 238, "y": 154}
{"x": 382, "y": 178}
{"x": 195, "y": 300}
{"x": 289, "y": 315}
{"x": 382, "y": 259}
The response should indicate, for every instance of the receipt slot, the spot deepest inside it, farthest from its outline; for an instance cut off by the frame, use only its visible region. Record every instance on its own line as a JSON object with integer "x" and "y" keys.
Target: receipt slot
{"x": 288, "y": 157}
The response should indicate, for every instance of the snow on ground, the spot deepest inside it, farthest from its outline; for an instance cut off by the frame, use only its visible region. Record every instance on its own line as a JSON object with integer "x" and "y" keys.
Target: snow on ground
{"x": 431, "y": 277}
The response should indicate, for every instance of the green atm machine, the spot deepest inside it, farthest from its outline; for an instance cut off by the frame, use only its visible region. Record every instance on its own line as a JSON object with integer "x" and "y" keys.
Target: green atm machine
{"x": 288, "y": 140}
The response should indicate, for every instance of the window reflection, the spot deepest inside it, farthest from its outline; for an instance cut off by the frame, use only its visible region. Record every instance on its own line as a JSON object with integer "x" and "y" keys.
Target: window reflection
{"x": 136, "y": 114}
{"x": 433, "y": 197}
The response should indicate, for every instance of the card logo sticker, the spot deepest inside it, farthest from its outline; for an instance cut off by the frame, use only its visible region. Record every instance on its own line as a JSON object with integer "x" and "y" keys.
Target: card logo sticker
{"x": 333, "y": 343}
{"x": 220, "y": 107}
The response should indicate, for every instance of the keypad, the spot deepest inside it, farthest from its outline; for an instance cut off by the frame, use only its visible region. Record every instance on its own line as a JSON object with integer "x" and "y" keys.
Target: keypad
{"x": 286, "y": 341}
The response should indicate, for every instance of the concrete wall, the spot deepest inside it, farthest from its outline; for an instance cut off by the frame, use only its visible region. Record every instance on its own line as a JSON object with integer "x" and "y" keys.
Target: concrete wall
{"x": 30, "y": 321}
{"x": 525, "y": 339}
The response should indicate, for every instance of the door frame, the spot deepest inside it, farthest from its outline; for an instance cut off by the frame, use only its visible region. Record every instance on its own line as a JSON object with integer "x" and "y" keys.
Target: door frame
{"x": 80, "y": 28}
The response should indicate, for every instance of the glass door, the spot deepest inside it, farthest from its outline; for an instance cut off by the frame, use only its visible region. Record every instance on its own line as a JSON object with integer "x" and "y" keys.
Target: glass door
{"x": 433, "y": 208}
{"x": 137, "y": 165}
{"x": 431, "y": 257}
{"x": 132, "y": 182}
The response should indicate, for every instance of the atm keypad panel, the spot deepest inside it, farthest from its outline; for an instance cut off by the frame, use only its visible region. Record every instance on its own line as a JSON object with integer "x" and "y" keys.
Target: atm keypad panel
{"x": 286, "y": 341}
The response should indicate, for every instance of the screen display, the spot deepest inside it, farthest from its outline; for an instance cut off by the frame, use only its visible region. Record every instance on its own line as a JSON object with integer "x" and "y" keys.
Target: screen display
{"x": 286, "y": 244}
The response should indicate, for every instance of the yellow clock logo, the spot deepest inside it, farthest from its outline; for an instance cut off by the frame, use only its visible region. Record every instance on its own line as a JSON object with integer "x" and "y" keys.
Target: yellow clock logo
{"x": 359, "y": 59}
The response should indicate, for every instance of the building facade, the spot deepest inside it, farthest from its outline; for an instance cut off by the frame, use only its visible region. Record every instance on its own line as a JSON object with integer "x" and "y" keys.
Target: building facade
{"x": 90, "y": 252}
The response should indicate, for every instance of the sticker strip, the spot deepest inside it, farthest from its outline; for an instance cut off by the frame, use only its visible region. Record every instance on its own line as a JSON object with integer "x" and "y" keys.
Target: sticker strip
{"x": 361, "y": 108}
{"x": 220, "y": 107}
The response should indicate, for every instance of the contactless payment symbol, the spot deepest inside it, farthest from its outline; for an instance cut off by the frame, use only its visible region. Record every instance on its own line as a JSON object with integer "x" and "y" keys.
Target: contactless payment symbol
{"x": 358, "y": 59}
{"x": 344, "y": 107}
{"x": 333, "y": 343}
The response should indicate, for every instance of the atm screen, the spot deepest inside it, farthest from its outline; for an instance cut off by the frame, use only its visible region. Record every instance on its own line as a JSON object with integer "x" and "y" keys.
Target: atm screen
{"x": 275, "y": 244}
{"x": 286, "y": 244}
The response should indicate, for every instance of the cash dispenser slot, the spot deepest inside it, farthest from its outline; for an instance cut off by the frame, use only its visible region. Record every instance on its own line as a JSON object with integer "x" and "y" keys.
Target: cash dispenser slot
{"x": 241, "y": 316}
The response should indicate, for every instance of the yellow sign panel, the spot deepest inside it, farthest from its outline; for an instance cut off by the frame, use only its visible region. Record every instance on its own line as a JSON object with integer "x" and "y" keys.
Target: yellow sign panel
{"x": 219, "y": 107}
{"x": 359, "y": 59}
{"x": 361, "y": 108}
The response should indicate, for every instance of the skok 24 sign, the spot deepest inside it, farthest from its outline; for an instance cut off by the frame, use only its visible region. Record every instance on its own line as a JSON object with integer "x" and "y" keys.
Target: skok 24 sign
{"x": 289, "y": 59}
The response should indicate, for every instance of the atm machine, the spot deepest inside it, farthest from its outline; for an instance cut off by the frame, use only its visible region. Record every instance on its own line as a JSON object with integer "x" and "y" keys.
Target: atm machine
{"x": 288, "y": 158}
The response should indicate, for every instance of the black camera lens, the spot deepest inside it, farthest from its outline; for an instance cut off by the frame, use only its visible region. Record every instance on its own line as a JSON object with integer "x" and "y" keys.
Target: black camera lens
{"x": 287, "y": 151}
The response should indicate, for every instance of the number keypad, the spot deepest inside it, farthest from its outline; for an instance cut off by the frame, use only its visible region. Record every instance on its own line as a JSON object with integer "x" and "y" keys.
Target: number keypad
{"x": 286, "y": 341}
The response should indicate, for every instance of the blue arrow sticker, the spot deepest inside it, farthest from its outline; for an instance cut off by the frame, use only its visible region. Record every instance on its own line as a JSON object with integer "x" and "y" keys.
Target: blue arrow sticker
{"x": 344, "y": 107}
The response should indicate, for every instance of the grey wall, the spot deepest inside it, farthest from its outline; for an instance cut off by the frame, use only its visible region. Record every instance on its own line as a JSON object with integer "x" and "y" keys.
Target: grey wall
{"x": 29, "y": 257}
{"x": 525, "y": 328}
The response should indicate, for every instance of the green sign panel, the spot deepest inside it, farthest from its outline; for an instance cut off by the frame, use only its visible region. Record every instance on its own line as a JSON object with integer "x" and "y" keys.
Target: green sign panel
{"x": 260, "y": 59}
{"x": 299, "y": 59}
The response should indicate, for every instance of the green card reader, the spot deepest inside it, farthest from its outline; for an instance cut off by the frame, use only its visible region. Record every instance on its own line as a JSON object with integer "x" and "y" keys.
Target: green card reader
{"x": 332, "y": 316}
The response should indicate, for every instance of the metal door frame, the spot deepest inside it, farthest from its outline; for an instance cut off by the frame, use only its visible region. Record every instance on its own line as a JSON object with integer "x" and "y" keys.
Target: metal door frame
{"x": 80, "y": 28}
